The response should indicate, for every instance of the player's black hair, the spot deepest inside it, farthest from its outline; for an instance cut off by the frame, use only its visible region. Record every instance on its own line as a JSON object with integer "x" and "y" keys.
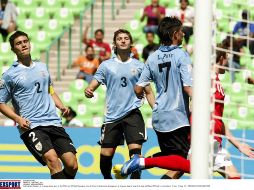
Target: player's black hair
{"x": 16, "y": 35}
{"x": 187, "y": 1}
{"x": 166, "y": 29}
{"x": 119, "y": 31}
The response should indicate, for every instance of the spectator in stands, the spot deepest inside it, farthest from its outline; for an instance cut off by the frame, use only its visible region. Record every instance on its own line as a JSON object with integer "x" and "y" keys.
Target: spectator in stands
{"x": 102, "y": 49}
{"x": 246, "y": 29}
{"x": 87, "y": 64}
{"x": 186, "y": 14}
{"x": 234, "y": 45}
{"x": 70, "y": 119}
{"x": 150, "y": 47}
{"x": 154, "y": 13}
{"x": 8, "y": 17}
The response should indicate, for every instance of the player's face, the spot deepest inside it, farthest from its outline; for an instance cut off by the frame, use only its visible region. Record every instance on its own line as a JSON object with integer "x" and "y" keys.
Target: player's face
{"x": 149, "y": 37}
{"x": 179, "y": 36}
{"x": 123, "y": 42}
{"x": 22, "y": 47}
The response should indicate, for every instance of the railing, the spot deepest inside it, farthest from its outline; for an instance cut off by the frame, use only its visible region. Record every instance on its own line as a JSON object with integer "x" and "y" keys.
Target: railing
{"x": 69, "y": 30}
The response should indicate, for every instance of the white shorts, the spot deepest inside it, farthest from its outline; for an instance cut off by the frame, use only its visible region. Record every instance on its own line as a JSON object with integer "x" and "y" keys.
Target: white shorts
{"x": 221, "y": 157}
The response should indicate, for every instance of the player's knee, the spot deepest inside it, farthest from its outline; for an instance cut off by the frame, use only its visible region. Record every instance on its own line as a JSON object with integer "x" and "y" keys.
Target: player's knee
{"x": 72, "y": 164}
{"x": 53, "y": 162}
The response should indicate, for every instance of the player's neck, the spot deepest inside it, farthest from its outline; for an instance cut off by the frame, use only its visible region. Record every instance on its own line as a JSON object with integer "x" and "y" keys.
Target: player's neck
{"x": 123, "y": 56}
{"x": 27, "y": 61}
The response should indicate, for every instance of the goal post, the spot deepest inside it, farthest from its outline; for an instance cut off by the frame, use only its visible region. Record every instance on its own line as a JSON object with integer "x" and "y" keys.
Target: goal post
{"x": 201, "y": 90}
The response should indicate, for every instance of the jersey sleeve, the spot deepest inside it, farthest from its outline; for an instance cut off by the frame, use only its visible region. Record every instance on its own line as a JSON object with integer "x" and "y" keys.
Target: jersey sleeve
{"x": 185, "y": 70}
{"x": 145, "y": 76}
{"x": 100, "y": 74}
{"x": 5, "y": 89}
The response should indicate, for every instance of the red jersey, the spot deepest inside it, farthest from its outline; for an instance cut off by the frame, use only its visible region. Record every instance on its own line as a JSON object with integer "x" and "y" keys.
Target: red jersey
{"x": 100, "y": 48}
{"x": 219, "y": 97}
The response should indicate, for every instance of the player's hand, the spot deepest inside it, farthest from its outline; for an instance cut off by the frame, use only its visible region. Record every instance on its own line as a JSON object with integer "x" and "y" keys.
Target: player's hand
{"x": 89, "y": 93}
{"x": 141, "y": 96}
{"x": 65, "y": 111}
{"x": 24, "y": 124}
{"x": 247, "y": 150}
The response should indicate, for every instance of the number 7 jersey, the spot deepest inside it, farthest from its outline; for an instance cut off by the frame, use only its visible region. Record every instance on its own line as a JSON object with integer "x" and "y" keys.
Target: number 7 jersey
{"x": 170, "y": 69}
{"x": 28, "y": 88}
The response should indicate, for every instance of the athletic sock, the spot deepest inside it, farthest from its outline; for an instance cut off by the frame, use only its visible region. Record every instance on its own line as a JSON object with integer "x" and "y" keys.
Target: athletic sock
{"x": 105, "y": 166}
{"x": 58, "y": 175}
{"x": 171, "y": 162}
{"x": 68, "y": 176}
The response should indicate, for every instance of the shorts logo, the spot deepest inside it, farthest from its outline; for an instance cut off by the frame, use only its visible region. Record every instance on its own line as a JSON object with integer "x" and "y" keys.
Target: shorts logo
{"x": 38, "y": 146}
{"x": 141, "y": 134}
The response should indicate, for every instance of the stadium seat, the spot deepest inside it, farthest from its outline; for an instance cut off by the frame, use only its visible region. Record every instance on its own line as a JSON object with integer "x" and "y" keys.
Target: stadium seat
{"x": 64, "y": 16}
{"x": 76, "y": 6}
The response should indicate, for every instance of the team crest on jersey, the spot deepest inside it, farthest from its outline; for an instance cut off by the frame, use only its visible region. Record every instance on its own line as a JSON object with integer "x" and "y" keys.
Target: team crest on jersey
{"x": 134, "y": 71}
{"x": 38, "y": 146}
{"x": 43, "y": 74}
{"x": 2, "y": 83}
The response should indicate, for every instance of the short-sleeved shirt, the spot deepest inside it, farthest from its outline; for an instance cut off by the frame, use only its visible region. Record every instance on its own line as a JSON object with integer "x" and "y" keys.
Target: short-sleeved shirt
{"x": 170, "y": 69}
{"x": 120, "y": 79}
{"x": 86, "y": 65}
{"x": 152, "y": 18}
{"x": 28, "y": 89}
{"x": 100, "y": 48}
{"x": 243, "y": 30}
{"x": 149, "y": 49}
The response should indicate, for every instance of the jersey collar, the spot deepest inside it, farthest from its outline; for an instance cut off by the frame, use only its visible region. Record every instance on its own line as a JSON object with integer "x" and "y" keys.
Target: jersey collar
{"x": 168, "y": 48}
{"x": 21, "y": 65}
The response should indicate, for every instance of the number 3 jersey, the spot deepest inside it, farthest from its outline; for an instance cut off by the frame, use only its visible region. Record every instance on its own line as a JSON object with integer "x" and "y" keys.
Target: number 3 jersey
{"x": 28, "y": 89}
{"x": 120, "y": 79}
{"x": 170, "y": 69}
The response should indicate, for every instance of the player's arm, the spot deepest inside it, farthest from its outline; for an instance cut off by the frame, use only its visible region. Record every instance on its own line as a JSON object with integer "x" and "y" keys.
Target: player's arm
{"x": 242, "y": 147}
{"x": 59, "y": 104}
{"x": 149, "y": 95}
{"x": 94, "y": 84}
{"x": 188, "y": 90}
{"x": 9, "y": 112}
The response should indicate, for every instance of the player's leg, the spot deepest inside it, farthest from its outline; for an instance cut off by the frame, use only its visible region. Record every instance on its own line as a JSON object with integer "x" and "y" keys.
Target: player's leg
{"x": 65, "y": 149}
{"x": 111, "y": 137}
{"x": 174, "y": 145}
{"x": 106, "y": 157}
{"x": 135, "y": 135}
{"x": 54, "y": 165}
{"x": 223, "y": 164}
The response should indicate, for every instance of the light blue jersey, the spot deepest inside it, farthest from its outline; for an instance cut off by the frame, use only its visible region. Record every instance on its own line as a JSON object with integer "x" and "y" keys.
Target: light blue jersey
{"x": 170, "y": 69}
{"x": 120, "y": 79}
{"x": 28, "y": 88}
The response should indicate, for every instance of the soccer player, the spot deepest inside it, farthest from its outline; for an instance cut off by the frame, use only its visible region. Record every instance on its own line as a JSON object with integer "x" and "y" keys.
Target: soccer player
{"x": 123, "y": 120}
{"x": 222, "y": 163}
{"x": 28, "y": 85}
